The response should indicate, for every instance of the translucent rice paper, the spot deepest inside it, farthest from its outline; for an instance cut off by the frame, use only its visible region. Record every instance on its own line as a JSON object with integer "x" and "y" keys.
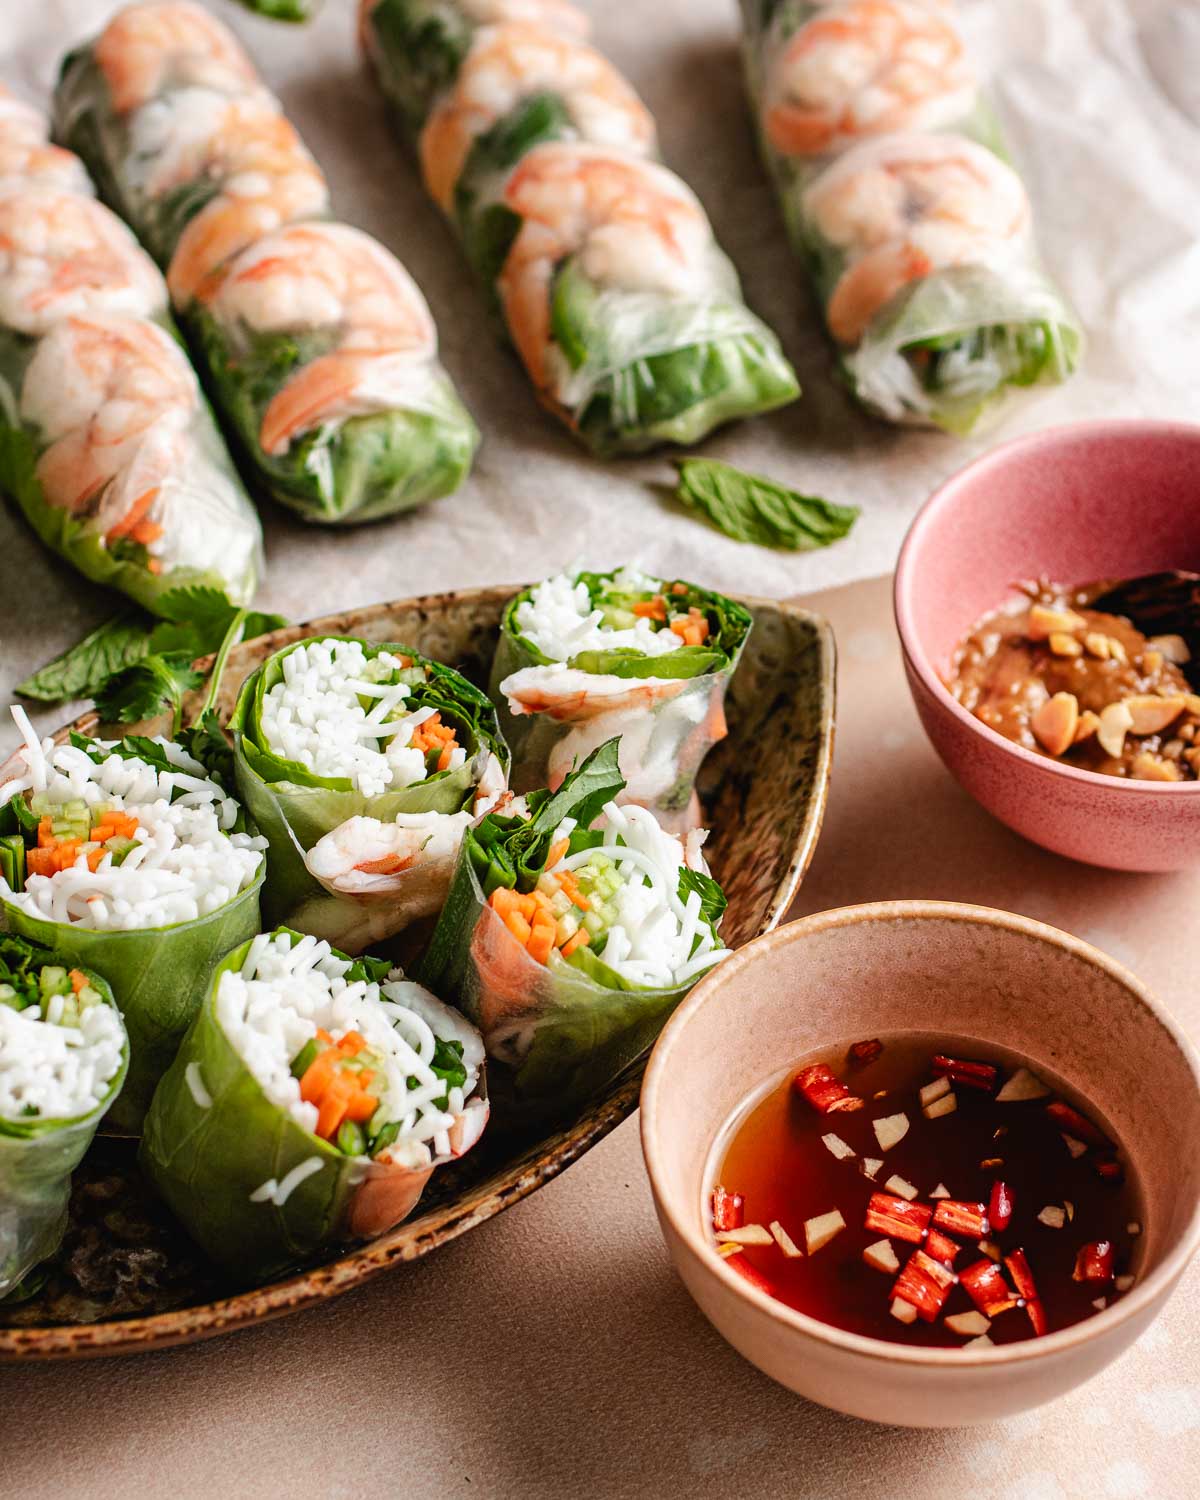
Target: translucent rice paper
{"x": 972, "y": 319}
{"x": 558, "y": 1035}
{"x": 666, "y": 724}
{"x": 294, "y": 810}
{"x": 333, "y": 392}
{"x": 37, "y": 1158}
{"x": 633, "y": 333}
{"x": 106, "y": 441}
{"x": 206, "y": 1159}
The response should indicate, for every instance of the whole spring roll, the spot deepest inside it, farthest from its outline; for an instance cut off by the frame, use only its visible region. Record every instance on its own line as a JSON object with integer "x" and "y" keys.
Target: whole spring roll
{"x": 626, "y": 313}
{"x": 363, "y": 764}
{"x": 310, "y": 1103}
{"x": 128, "y": 858}
{"x": 106, "y": 442}
{"x": 569, "y": 947}
{"x": 319, "y": 348}
{"x": 585, "y": 657}
{"x": 63, "y": 1056}
{"x": 899, "y": 197}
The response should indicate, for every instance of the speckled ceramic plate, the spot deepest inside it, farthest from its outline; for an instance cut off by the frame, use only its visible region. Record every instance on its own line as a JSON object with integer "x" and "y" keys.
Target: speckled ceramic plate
{"x": 127, "y": 1279}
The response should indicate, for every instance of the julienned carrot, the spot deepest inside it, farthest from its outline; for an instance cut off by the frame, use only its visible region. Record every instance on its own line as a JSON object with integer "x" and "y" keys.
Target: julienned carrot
{"x": 557, "y": 851}
{"x": 570, "y": 887}
{"x": 78, "y": 980}
{"x": 339, "y": 1092}
{"x": 692, "y": 628}
{"x": 580, "y": 939}
{"x": 135, "y": 513}
{"x": 541, "y": 942}
{"x": 651, "y": 609}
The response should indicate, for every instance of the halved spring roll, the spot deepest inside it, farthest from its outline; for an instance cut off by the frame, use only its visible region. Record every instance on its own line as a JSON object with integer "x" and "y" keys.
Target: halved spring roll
{"x": 106, "y": 442}
{"x": 585, "y": 657}
{"x": 318, "y": 348}
{"x": 567, "y": 946}
{"x": 626, "y": 313}
{"x": 310, "y": 1103}
{"x": 63, "y": 1057}
{"x": 363, "y": 764}
{"x": 129, "y": 859}
{"x": 898, "y": 195}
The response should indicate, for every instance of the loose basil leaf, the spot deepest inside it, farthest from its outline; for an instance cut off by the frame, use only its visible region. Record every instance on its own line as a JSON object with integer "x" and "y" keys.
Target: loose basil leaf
{"x": 81, "y": 670}
{"x": 752, "y": 508}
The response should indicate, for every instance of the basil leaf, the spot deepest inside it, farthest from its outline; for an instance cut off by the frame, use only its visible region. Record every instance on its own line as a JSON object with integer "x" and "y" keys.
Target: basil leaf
{"x": 81, "y": 670}
{"x": 152, "y": 686}
{"x": 751, "y": 508}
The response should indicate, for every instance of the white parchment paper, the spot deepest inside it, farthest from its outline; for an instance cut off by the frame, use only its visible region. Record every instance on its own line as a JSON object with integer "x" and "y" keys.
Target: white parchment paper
{"x": 1101, "y": 101}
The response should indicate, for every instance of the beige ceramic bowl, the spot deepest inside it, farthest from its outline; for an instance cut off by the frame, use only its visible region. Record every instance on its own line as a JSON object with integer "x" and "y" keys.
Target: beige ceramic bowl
{"x": 930, "y": 966}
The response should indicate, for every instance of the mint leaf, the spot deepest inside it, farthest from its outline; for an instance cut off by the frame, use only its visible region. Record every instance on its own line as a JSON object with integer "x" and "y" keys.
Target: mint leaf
{"x": 149, "y": 687}
{"x": 80, "y": 671}
{"x": 751, "y": 508}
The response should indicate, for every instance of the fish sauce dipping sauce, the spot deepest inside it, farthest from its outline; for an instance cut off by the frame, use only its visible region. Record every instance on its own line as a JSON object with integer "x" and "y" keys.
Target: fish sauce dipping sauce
{"x": 928, "y": 1190}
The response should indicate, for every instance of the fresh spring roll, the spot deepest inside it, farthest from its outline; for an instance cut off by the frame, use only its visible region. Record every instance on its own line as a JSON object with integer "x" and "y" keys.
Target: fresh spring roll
{"x": 586, "y": 657}
{"x": 363, "y": 764}
{"x": 63, "y": 1056}
{"x": 899, "y": 197}
{"x": 106, "y": 442}
{"x": 568, "y": 947}
{"x": 626, "y": 313}
{"x": 318, "y": 347}
{"x": 309, "y": 1104}
{"x": 130, "y": 859}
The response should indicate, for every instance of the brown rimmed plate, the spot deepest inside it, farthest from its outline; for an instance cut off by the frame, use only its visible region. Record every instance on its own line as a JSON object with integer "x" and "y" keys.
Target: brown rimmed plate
{"x": 127, "y": 1280}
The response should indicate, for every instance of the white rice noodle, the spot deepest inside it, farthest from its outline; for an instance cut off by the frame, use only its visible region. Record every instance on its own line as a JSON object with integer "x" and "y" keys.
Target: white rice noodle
{"x": 559, "y": 619}
{"x": 314, "y": 717}
{"x": 195, "y": 1082}
{"x": 61, "y": 1071}
{"x": 651, "y": 942}
{"x": 270, "y": 1010}
{"x": 186, "y": 864}
{"x": 278, "y": 1193}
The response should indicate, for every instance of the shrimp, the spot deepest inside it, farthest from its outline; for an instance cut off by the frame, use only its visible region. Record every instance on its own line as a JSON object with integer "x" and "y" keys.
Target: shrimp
{"x": 147, "y": 48}
{"x": 902, "y": 208}
{"x": 268, "y": 180}
{"x": 114, "y": 397}
{"x": 62, "y": 254}
{"x": 567, "y": 694}
{"x": 26, "y": 155}
{"x": 633, "y": 224}
{"x": 512, "y": 62}
{"x": 329, "y": 276}
{"x": 863, "y": 68}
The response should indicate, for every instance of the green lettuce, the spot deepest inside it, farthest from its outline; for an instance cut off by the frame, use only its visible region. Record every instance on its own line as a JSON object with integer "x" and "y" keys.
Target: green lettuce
{"x": 38, "y": 1155}
{"x": 560, "y": 1031}
{"x": 293, "y": 808}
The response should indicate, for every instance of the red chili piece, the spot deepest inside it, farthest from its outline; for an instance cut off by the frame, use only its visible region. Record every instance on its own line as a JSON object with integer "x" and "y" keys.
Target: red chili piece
{"x": 1075, "y": 1124}
{"x": 752, "y": 1274}
{"x": 984, "y": 1283}
{"x": 1094, "y": 1263}
{"x": 1018, "y": 1269}
{"x": 898, "y": 1218}
{"x": 864, "y": 1052}
{"x": 823, "y": 1091}
{"x": 942, "y": 1247}
{"x": 968, "y": 1219}
{"x": 924, "y": 1283}
{"x": 1000, "y": 1206}
{"x": 1109, "y": 1169}
{"x": 975, "y": 1075}
{"x": 728, "y": 1209}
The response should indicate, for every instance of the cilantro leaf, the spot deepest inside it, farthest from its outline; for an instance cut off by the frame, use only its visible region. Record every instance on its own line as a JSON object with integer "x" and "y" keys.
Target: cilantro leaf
{"x": 205, "y": 741}
{"x": 751, "y": 508}
{"x": 80, "y": 670}
{"x": 149, "y": 687}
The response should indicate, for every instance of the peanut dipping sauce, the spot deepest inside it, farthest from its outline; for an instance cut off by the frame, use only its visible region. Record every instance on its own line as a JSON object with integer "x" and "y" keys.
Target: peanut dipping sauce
{"x": 1081, "y": 686}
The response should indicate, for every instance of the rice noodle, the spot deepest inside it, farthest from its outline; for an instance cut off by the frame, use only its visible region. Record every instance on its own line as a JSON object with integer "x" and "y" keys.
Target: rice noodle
{"x": 58, "y": 1071}
{"x": 558, "y": 618}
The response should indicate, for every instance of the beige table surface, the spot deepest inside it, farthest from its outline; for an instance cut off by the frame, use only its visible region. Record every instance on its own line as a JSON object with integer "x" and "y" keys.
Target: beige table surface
{"x": 552, "y": 1352}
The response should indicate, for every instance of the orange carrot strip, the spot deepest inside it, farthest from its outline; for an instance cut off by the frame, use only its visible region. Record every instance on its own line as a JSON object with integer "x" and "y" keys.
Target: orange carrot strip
{"x": 518, "y": 926}
{"x": 318, "y": 1076}
{"x": 443, "y": 763}
{"x": 352, "y": 1043}
{"x": 541, "y": 942}
{"x": 146, "y": 532}
{"x": 135, "y": 513}
{"x": 333, "y": 1106}
{"x": 570, "y": 888}
{"x": 361, "y": 1106}
{"x": 45, "y": 834}
{"x": 651, "y": 609}
{"x": 94, "y": 856}
{"x": 579, "y": 939}
{"x": 557, "y": 851}
{"x": 78, "y": 980}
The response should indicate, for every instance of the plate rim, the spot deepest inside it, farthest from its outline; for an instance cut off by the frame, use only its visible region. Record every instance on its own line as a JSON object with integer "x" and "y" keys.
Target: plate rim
{"x": 309, "y": 1287}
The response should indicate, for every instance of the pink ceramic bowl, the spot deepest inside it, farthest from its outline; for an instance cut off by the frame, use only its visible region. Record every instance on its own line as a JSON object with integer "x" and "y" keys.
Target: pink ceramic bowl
{"x": 1089, "y": 501}
{"x": 965, "y": 971}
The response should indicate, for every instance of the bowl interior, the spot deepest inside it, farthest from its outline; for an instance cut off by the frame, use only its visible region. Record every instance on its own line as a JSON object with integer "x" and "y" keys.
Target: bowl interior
{"x": 1075, "y": 504}
{"x": 860, "y": 972}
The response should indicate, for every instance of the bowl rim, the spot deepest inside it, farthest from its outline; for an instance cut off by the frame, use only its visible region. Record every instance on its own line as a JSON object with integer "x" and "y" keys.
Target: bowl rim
{"x": 905, "y": 584}
{"x": 1139, "y": 1300}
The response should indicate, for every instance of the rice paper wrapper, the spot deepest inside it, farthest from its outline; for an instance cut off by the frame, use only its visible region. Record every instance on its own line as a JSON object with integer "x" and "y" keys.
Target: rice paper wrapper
{"x": 211, "y": 535}
{"x": 558, "y": 1036}
{"x": 627, "y": 369}
{"x": 294, "y": 817}
{"x": 666, "y": 726}
{"x": 159, "y": 975}
{"x": 206, "y": 1159}
{"x": 37, "y": 1158}
{"x": 1016, "y": 330}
